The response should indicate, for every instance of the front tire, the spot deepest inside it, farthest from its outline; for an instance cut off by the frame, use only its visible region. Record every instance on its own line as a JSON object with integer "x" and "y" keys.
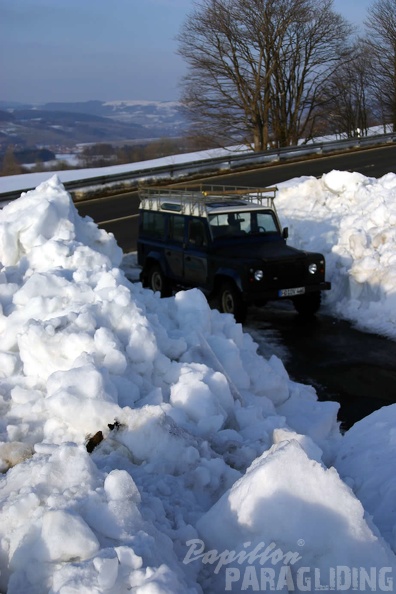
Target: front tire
{"x": 158, "y": 282}
{"x": 230, "y": 301}
{"x": 308, "y": 305}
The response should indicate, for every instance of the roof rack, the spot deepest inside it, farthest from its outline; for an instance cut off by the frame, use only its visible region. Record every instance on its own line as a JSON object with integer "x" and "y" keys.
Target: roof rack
{"x": 196, "y": 198}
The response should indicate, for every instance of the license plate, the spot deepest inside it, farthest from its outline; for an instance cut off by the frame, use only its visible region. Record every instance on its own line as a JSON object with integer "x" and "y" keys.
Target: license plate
{"x": 291, "y": 292}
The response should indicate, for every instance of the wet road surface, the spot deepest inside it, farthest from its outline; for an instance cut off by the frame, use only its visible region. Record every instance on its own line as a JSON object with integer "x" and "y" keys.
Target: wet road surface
{"x": 356, "y": 369}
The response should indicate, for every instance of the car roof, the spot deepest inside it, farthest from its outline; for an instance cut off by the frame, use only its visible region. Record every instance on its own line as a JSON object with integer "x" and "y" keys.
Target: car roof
{"x": 204, "y": 202}
{"x": 234, "y": 206}
{"x": 179, "y": 207}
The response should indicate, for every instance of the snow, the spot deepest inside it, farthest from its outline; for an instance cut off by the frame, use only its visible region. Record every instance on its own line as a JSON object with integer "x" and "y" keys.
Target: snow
{"x": 351, "y": 219}
{"x": 23, "y": 181}
{"x": 146, "y": 447}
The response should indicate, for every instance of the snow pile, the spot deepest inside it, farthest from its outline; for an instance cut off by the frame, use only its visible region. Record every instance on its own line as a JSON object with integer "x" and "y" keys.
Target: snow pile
{"x": 351, "y": 219}
{"x": 272, "y": 502}
{"x": 137, "y": 434}
{"x": 368, "y": 445}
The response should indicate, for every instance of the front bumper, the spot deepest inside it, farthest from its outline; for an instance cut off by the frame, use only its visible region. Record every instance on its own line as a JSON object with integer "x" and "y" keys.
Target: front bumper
{"x": 284, "y": 293}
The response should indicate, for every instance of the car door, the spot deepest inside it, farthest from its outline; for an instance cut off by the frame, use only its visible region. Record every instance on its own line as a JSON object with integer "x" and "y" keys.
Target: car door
{"x": 196, "y": 253}
{"x": 174, "y": 246}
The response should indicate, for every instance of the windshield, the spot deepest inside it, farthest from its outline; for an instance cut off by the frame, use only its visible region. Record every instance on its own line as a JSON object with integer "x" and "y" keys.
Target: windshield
{"x": 236, "y": 224}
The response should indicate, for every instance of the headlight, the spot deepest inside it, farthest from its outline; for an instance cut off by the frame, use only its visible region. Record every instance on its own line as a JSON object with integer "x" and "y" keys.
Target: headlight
{"x": 313, "y": 268}
{"x": 258, "y": 275}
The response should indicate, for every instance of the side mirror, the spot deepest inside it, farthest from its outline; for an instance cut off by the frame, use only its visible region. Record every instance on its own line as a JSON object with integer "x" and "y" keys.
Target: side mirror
{"x": 285, "y": 233}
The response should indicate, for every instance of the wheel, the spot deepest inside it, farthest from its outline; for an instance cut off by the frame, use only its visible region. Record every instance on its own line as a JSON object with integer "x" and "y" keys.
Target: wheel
{"x": 307, "y": 305}
{"x": 157, "y": 282}
{"x": 230, "y": 301}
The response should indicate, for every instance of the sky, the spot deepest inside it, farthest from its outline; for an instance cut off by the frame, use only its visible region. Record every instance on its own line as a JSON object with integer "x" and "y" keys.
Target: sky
{"x": 69, "y": 50}
{"x": 145, "y": 444}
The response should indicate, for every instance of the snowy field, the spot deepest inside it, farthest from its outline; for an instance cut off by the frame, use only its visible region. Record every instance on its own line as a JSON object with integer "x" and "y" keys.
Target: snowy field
{"x": 146, "y": 447}
{"x": 13, "y": 183}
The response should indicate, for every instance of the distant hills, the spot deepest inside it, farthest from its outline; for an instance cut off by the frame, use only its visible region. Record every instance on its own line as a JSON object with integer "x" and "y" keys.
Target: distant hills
{"x": 56, "y": 125}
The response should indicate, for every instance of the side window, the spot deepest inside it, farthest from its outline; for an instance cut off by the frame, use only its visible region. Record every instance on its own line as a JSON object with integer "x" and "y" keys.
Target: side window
{"x": 153, "y": 224}
{"x": 266, "y": 222}
{"x": 176, "y": 228}
{"x": 218, "y": 225}
{"x": 196, "y": 233}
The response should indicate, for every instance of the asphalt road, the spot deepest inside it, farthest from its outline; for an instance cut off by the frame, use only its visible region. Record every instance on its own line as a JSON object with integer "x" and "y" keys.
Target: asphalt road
{"x": 118, "y": 214}
{"x": 356, "y": 369}
{"x": 351, "y": 367}
{"x": 374, "y": 162}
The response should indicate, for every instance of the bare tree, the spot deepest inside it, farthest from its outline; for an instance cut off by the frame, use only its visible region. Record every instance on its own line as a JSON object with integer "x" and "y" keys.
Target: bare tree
{"x": 10, "y": 165}
{"x": 257, "y": 68}
{"x": 314, "y": 48}
{"x": 350, "y": 110}
{"x": 381, "y": 43}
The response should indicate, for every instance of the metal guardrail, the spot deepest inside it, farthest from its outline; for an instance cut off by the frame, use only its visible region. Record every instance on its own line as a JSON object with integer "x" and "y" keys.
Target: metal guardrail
{"x": 228, "y": 162}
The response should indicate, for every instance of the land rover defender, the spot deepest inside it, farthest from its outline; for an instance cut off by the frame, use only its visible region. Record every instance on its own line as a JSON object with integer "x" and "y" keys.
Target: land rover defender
{"x": 229, "y": 243}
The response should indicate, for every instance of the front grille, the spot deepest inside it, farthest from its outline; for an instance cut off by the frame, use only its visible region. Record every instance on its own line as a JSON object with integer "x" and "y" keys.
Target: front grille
{"x": 284, "y": 275}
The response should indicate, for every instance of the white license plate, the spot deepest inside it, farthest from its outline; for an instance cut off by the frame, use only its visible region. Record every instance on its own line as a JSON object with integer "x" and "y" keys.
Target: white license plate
{"x": 291, "y": 292}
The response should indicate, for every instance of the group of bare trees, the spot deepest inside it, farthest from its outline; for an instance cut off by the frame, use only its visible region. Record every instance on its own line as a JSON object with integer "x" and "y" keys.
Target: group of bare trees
{"x": 278, "y": 72}
{"x": 103, "y": 154}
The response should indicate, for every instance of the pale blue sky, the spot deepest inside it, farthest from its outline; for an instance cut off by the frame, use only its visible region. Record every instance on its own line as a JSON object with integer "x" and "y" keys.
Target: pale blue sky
{"x": 76, "y": 50}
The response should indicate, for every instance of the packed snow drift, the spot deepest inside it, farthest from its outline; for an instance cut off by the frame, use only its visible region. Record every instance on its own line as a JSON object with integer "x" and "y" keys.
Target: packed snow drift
{"x": 351, "y": 219}
{"x": 146, "y": 447}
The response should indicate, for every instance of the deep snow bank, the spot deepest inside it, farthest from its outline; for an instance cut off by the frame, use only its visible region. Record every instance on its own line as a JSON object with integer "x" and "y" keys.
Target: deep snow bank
{"x": 202, "y": 441}
{"x": 366, "y": 461}
{"x": 351, "y": 219}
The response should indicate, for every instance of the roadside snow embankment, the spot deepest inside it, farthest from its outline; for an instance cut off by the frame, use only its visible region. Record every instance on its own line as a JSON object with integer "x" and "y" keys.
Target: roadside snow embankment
{"x": 351, "y": 219}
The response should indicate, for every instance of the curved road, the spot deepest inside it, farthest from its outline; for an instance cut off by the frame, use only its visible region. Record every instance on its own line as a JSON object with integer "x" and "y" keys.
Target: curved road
{"x": 356, "y": 369}
{"x": 118, "y": 214}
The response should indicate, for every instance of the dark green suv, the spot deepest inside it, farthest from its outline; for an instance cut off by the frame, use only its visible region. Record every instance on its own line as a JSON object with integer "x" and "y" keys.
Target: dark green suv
{"x": 228, "y": 242}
